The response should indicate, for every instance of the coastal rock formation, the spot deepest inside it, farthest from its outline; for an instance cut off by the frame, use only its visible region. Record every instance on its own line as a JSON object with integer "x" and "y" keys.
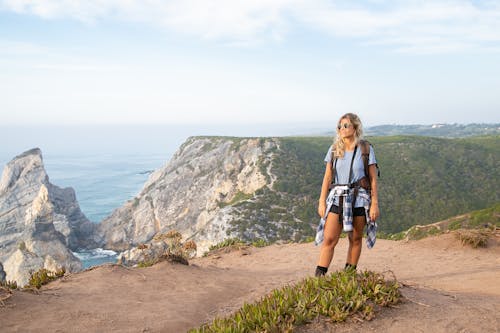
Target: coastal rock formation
{"x": 195, "y": 193}
{"x": 39, "y": 222}
{"x": 144, "y": 253}
{"x": 162, "y": 247}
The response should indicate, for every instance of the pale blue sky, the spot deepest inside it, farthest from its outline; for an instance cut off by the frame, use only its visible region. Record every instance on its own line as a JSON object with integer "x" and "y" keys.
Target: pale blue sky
{"x": 256, "y": 61}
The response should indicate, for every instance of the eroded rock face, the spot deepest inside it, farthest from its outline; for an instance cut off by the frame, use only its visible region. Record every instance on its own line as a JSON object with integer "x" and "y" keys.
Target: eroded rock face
{"x": 161, "y": 247}
{"x": 147, "y": 253}
{"x": 192, "y": 194}
{"x": 39, "y": 222}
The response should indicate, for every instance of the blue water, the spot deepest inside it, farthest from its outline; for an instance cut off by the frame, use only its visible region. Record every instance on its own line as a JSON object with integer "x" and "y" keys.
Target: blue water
{"x": 102, "y": 182}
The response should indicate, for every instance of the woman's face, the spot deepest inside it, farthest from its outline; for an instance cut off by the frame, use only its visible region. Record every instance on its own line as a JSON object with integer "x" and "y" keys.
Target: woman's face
{"x": 346, "y": 128}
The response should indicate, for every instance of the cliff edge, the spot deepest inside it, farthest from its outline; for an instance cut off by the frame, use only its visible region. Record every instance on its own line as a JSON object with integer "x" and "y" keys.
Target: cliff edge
{"x": 195, "y": 193}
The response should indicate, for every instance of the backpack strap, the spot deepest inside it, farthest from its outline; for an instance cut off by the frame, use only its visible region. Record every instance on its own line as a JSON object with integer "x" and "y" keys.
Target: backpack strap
{"x": 352, "y": 162}
{"x": 365, "y": 155}
{"x": 334, "y": 168}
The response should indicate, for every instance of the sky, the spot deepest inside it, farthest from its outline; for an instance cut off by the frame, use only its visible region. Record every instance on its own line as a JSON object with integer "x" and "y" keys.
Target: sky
{"x": 216, "y": 62}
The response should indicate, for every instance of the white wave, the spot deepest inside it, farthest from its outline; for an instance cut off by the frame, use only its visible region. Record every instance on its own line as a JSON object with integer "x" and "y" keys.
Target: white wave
{"x": 94, "y": 254}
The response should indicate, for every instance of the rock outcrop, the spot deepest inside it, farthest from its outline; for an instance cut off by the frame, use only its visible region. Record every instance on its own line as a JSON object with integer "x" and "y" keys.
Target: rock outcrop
{"x": 39, "y": 222}
{"x": 194, "y": 193}
{"x": 162, "y": 247}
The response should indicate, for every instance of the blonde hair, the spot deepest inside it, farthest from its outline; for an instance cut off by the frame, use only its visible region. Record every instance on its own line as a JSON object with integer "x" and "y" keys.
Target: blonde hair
{"x": 338, "y": 147}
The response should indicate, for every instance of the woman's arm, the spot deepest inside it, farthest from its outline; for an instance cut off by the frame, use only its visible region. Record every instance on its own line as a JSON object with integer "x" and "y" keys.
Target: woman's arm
{"x": 327, "y": 179}
{"x": 374, "y": 210}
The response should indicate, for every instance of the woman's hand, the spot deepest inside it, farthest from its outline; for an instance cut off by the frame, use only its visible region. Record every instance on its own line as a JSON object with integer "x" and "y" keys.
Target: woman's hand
{"x": 321, "y": 208}
{"x": 374, "y": 211}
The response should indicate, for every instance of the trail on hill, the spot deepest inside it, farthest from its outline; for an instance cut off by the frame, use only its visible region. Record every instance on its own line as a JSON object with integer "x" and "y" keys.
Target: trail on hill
{"x": 447, "y": 287}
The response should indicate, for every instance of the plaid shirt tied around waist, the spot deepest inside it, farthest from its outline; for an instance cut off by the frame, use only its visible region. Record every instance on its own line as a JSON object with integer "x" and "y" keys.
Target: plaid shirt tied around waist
{"x": 347, "y": 216}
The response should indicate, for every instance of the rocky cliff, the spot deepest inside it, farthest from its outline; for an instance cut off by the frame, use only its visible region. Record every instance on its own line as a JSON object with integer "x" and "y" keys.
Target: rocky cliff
{"x": 39, "y": 222}
{"x": 195, "y": 193}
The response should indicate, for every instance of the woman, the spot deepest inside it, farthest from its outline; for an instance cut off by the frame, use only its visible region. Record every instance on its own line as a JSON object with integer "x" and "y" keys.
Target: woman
{"x": 348, "y": 197}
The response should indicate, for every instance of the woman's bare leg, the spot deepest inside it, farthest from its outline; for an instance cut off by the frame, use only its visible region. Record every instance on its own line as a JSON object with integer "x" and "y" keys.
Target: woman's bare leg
{"x": 332, "y": 233}
{"x": 356, "y": 240}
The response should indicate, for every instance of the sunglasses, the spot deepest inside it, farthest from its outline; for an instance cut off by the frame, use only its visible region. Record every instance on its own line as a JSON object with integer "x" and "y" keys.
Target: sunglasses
{"x": 344, "y": 125}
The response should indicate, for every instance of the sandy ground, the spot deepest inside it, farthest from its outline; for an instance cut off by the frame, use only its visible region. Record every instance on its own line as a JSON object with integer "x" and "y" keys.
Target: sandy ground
{"x": 447, "y": 288}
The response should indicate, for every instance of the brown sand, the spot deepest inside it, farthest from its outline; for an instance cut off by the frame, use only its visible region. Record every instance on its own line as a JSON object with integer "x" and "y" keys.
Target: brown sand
{"x": 447, "y": 287}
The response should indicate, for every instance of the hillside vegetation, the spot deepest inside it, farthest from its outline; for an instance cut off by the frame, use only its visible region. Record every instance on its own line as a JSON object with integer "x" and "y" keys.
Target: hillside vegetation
{"x": 423, "y": 180}
{"x": 435, "y": 130}
{"x": 483, "y": 222}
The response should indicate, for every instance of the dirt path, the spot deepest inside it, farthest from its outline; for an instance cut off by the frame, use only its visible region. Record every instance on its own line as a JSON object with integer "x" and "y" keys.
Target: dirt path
{"x": 448, "y": 288}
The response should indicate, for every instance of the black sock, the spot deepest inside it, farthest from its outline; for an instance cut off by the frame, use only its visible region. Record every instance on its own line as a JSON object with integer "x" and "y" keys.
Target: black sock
{"x": 349, "y": 266}
{"x": 320, "y": 270}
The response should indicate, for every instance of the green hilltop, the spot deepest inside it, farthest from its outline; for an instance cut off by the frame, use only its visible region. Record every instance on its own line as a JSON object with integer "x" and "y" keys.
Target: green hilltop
{"x": 423, "y": 180}
{"x": 435, "y": 130}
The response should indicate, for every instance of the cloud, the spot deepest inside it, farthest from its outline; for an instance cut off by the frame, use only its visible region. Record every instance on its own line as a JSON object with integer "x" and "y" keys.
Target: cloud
{"x": 79, "y": 68}
{"x": 86, "y": 11}
{"x": 423, "y": 27}
{"x": 15, "y": 48}
{"x": 405, "y": 26}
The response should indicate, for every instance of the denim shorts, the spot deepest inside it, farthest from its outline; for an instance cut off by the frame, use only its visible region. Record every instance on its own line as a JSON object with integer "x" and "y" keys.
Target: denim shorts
{"x": 356, "y": 211}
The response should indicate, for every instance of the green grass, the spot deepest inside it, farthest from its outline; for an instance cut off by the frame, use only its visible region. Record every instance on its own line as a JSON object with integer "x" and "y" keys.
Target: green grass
{"x": 227, "y": 243}
{"x": 238, "y": 197}
{"x": 488, "y": 216}
{"x": 335, "y": 296}
{"x": 260, "y": 243}
{"x": 235, "y": 243}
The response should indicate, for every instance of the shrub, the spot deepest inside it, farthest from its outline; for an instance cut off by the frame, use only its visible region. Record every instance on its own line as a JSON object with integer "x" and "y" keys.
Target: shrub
{"x": 227, "y": 243}
{"x": 146, "y": 263}
{"x": 173, "y": 234}
{"x": 175, "y": 257}
{"x": 474, "y": 238}
{"x": 9, "y": 284}
{"x": 172, "y": 239}
{"x": 189, "y": 248}
{"x": 43, "y": 276}
{"x": 22, "y": 246}
{"x": 135, "y": 203}
{"x": 335, "y": 296}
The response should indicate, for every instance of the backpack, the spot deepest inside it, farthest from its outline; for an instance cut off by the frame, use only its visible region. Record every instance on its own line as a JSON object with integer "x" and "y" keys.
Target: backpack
{"x": 365, "y": 154}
